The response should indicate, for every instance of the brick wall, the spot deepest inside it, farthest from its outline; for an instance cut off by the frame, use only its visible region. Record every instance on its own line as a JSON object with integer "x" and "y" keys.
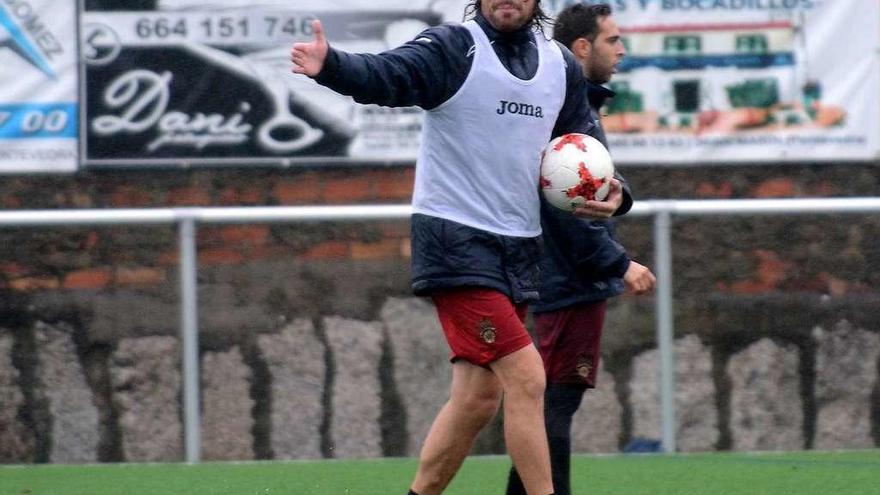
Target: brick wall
{"x": 724, "y": 255}
{"x": 757, "y": 255}
{"x": 92, "y": 258}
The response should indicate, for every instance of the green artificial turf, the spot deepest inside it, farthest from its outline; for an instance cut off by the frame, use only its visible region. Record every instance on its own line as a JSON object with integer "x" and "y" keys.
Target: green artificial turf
{"x": 803, "y": 473}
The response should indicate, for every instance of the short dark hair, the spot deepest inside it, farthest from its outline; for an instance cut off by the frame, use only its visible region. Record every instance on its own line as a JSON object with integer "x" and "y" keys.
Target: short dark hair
{"x": 539, "y": 20}
{"x": 579, "y": 21}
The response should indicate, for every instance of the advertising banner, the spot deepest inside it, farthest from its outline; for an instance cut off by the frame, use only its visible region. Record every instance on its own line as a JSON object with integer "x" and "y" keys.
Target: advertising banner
{"x": 719, "y": 81}
{"x": 190, "y": 82}
{"x": 38, "y": 86}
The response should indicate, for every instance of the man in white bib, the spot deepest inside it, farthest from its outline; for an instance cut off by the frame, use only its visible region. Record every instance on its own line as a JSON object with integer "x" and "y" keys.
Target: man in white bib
{"x": 496, "y": 90}
{"x": 583, "y": 264}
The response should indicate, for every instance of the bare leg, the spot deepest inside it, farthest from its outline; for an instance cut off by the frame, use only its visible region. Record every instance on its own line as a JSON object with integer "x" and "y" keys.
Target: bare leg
{"x": 522, "y": 378}
{"x": 473, "y": 402}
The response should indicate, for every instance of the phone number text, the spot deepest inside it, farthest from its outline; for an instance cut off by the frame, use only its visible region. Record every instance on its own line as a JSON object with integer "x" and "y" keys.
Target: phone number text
{"x": 212, "y": 28}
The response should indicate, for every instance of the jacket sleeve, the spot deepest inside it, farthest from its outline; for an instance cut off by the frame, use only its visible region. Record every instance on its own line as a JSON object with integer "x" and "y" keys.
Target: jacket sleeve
{"x": 589, "y": 244}
{"x": 627, "y": 195}
{"x": 423, "y": 72}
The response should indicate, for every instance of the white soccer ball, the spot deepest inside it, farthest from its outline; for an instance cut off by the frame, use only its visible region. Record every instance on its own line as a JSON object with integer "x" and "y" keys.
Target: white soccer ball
{"x": 575, "y": 168}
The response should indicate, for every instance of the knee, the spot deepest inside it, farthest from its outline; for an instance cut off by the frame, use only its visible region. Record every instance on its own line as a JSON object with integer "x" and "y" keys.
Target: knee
{"x": 522, "y": 376}
{"x": 529, "y": 386}
{"x": 535, "y": 386}
{"x": 482, "y": 406}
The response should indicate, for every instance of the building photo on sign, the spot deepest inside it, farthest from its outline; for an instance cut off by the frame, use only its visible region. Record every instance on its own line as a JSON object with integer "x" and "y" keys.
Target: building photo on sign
{"x": 735, "y": 80}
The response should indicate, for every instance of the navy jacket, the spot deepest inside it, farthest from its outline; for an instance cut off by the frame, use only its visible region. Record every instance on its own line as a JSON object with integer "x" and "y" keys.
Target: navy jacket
{"x": 582, "y": 261}
{"x": 425, "y": 72}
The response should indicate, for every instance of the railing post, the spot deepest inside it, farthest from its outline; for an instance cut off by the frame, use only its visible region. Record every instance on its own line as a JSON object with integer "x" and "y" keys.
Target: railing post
{"x": 665, "y": 331}
{"x": 189, "y": 329}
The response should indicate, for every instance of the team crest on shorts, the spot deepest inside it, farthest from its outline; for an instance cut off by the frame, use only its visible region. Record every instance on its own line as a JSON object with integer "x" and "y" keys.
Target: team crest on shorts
{"x": 487, "y": 331}
{"x": 584, "y": 366}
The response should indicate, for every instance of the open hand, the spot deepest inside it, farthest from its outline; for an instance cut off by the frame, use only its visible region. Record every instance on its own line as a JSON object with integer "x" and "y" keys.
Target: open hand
{"x": 308, "y": 58}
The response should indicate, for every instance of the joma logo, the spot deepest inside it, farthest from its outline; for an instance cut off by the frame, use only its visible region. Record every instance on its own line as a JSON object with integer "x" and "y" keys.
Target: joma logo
{"x": 515, "y": 108}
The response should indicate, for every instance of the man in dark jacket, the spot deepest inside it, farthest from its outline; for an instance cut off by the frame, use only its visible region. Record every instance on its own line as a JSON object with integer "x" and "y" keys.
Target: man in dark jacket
{"x": 496, "y": 91}
{"x": 583, "y": 265}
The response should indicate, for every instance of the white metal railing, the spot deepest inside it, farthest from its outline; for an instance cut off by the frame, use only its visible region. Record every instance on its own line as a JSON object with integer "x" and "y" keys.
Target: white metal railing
{"x": 187, "y": 220}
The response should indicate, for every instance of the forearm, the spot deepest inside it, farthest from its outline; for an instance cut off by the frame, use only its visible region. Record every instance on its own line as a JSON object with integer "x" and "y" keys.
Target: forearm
{"x": 424, "y": 72}
{"x": 588, "y": 244}
{"x": 368, "y": 79}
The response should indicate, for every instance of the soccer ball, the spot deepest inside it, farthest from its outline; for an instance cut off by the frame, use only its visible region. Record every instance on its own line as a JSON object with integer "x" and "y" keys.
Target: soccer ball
{"x": 575, "y": 168}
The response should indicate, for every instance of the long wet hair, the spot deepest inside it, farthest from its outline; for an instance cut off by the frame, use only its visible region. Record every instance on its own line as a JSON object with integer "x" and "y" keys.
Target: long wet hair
{"x": 539, "y": 20}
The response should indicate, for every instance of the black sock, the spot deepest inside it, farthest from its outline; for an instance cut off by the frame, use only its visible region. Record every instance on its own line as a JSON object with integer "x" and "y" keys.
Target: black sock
{"x": 560, "y": 464}
{"x": 561, "y": 401}
{"x": 514, "y": 483}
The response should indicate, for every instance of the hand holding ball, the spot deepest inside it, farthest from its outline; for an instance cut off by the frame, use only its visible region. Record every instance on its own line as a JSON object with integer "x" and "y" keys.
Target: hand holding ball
{"x": 575, "y": 168}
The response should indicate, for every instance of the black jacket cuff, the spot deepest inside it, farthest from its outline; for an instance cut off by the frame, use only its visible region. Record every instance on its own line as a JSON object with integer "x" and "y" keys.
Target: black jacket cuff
{"x": 330, "y": 69}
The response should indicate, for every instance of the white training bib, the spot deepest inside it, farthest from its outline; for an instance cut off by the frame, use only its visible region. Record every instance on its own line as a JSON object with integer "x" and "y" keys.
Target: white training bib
{"x": 479, "y": 162}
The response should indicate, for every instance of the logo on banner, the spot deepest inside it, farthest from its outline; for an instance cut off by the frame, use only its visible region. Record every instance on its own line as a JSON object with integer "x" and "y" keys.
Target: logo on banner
{"x": 140, "y": 102}
{"x": 142, "y": 98}
{"x": 100, "y": 44}
{"x": 26, "y": 34}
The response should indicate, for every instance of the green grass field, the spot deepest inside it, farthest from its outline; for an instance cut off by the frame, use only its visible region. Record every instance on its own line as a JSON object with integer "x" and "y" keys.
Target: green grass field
{"x": 804, "y": 473}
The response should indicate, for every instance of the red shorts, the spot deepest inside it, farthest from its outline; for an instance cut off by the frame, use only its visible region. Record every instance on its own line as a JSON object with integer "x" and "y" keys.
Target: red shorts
{"x": 481, "y": 325}
{"x": 568, "y": 340}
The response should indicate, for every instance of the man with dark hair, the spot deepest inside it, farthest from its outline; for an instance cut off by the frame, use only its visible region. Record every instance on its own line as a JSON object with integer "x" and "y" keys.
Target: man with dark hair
{"x": 581, "y": 20}
{"x": 583, "y": 265}
{"x": 476, "y": 224}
